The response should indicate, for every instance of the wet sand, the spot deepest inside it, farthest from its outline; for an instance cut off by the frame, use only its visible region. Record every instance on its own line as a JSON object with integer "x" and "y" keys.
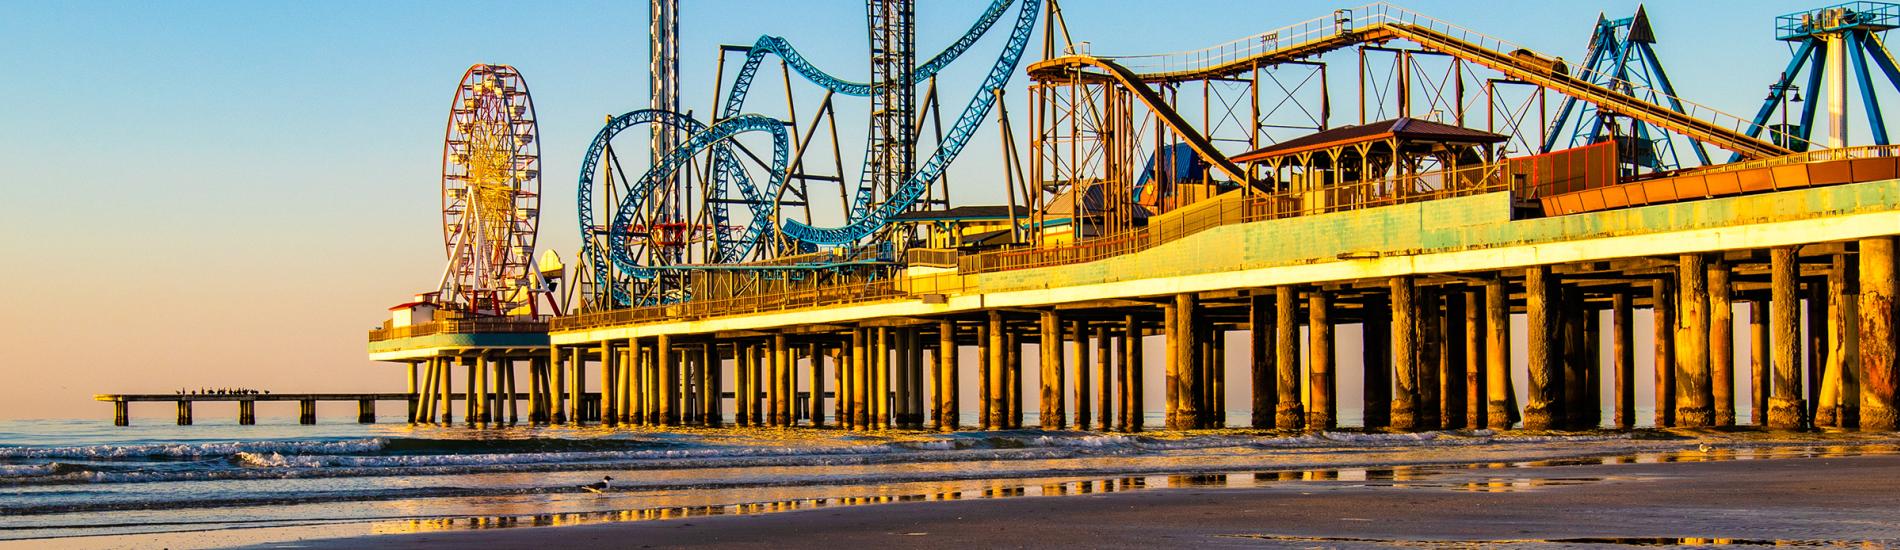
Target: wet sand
{"x": 1852, "y": 501}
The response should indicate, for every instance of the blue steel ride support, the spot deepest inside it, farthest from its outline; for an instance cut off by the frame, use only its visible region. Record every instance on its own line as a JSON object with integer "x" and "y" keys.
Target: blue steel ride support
{"x": 715, "y": 137}
{"x": 871, "y": 219}
{"x": 724, "y": 161}
{"x": 959, "y": 135}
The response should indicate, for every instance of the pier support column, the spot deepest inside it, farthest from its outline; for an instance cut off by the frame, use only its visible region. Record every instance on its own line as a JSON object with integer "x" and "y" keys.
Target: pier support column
{"x": 1722, "y": 342}
{"x": 778, "y": 394}
{"x": 1079, "y": 338}
{"x": 1214, "y": 378}
{"x": 1454, "y": 380}
{"x": 557, "y": 391}
{"x": 1264, "y": 368}
{"x": 1013, "y": 378}
{"x": 1289, "y": 413}
{"x": 860, "y": 380}
{"x": 1500, "y": 397}
{"x": 989, "y": 384}
{"x": 609, "y": 384}
{"x": 365, "y": 410}
{"x": 1133, "y": 412}
{"x": 1477, "y": 370}
{"x": 184, "y": 413}
{"x": 247, "y": 413}
{"x": 1844, "y": 334}
{"x": 1404, "y": 352}
{"x": 1759, "y": 365}
{"x": 1428, "y": 341}
{"x": 1694, "y": 397}
{"x": 816, "y": 406}
{"x": 1785, "y": 405}
{"x": 881, "y": 380}
{"x": 1622, "y": 362}
{"x": 121, "y": 413}
{"x": 446, "y": 387}
{"x": 1814, "y": 293}
{"x": 667, "y": 390}
{"x": 1539, "y": 407}
{"x": 712, "y": 415}
{"x": 947, "y": 384}
{"x": 1663, "y": 307}
{"x": 1376, "y": 363}
{"x": 307, "y": 411}
{"x": 901, "y": 345}
{"x": 1320, "y": 364}
{"x": 1185, "y": 343}
{"x": 471, "y": 401}
{"x": 1051, "y": 401}
{"x": 1104, "y": 380}
{"x": 1879, "y": 375}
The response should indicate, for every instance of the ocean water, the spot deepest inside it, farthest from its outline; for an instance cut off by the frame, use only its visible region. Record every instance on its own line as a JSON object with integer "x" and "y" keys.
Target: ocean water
{"x": 87, "y": 478}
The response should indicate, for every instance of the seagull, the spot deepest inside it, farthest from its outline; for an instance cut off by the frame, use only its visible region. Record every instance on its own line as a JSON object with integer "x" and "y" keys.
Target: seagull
{"x": 602, "y": 486}
{"x": 1704, "y": 448}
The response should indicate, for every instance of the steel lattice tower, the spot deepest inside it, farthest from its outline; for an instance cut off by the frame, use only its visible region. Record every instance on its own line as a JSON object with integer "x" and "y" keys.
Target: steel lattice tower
{"x": 893, "y": 146}
{"x": 663, "y": 70}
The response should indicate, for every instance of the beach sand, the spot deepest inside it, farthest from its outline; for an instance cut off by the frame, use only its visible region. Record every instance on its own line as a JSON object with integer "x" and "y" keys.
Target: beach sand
{"x": 1852, "y": 501}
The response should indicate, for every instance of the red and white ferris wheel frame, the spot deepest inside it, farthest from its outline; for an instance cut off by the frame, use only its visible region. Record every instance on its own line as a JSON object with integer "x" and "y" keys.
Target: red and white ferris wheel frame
{"x": 490, "y": 267}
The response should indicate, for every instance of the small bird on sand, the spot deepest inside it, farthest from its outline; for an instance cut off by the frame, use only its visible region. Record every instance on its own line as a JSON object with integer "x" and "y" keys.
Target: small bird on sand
{"x": 1704, "y": 447}
{"x": 600, "y": 487}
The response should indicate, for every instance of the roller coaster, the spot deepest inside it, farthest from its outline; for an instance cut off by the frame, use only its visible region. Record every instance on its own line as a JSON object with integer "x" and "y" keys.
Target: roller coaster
{"x": 629, "y": 259}
{"x": 710, "y": 205}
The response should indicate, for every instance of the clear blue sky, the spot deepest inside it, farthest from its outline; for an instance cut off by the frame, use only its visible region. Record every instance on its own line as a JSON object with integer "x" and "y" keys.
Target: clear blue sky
{"x": 229, "y": 193}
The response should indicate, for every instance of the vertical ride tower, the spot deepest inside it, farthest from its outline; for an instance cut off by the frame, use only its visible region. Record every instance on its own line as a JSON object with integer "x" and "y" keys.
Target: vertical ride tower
{"x": 893, "y": 146}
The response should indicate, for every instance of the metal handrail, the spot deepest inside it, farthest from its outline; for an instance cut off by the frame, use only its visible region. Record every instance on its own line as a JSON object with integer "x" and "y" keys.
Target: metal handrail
{"x": 460, "y": 326}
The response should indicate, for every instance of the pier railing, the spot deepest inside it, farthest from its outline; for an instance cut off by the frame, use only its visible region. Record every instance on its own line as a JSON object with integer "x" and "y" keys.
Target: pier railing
{"x": 841, "y": 294}
{"x": 1237, "y": 208}
{"x": 460, "y": 326}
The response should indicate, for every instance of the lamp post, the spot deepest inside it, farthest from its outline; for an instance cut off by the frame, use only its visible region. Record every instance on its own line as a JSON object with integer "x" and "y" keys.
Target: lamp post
{"x": 1781, "y": 91}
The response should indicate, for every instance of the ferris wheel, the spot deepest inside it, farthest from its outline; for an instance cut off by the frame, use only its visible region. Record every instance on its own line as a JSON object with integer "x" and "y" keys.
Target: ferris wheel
{"x": 491, "y": 185}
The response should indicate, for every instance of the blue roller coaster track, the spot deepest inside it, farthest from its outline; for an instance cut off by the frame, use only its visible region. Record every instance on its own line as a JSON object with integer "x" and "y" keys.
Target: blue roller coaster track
{"x": 863, "y": 218}
{"x": 724, "y": 162}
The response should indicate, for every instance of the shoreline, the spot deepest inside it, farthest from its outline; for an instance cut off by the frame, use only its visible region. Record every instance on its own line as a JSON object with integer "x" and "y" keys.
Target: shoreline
{"x": 1510, "y": 462}
{"x": 1829, "y": 500}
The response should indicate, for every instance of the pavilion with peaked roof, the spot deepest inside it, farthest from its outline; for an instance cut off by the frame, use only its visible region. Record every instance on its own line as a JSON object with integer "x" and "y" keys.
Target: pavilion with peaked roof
{"x": 1393, "y": 157}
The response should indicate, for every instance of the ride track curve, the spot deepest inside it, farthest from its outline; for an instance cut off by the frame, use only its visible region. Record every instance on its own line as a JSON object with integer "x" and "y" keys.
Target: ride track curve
{"x": 862, "y": 219}
{"x": 724, "y": 162}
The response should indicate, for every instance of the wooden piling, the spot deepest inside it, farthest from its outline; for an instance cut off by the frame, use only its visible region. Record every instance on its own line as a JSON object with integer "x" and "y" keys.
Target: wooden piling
{"x": 881, "y": 379}
{"x": 1785, "y": 405}
{"x": 365, "y": 410}
{"x": 1104, "y": 380}
{"x": 898, "y": 415}
{"x": 1694, "y": 394}
{"x": 307, "y": 411}
{"x": 1171, "y": 358}
{"x": 558, "y": 364}
{"x": 1722, "y": 342}
{"x": 1133, "y": 412}
{"x": 861, "y": 351}
{"x": 1289, "y": 412}
{"x": 1013, "y": 377}
{"x": 1214, "y": 380}
{"x": 1187, "y": 374}
{"x": 1404, "y": 351}
{"x": 1050, "y": 344}
{"x": 1539, "y": 408}
{"x": 184, "y": 412}
{"x": 1079, "y": 338}
{"x": 1427, "y": 339}
{"x": 1814, "y": 294}
{"x": 1323, "y": 414}
{"x": 1759, "y": 365}
{"x": 1844, "y": 335}
{"x": 1622, "y": 362}
{"x": 121, "y": 413}
{"x": 1264, "y": 368}
{"x": 1454, "y": 382}
{"x": 247, "y": 413}
{"x": 1500, "y": 408}
{"x": 989, "y": 342}
{"x": 1376, "y": 363}
{"x": 1664, "y": 312}
{"x": 610, "y": 406}
{"x": 1879, "y": 374}
{"x": 712, "y": 414}
{"x": 1477, "y": 371}
{"x": 947, "y": 385}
